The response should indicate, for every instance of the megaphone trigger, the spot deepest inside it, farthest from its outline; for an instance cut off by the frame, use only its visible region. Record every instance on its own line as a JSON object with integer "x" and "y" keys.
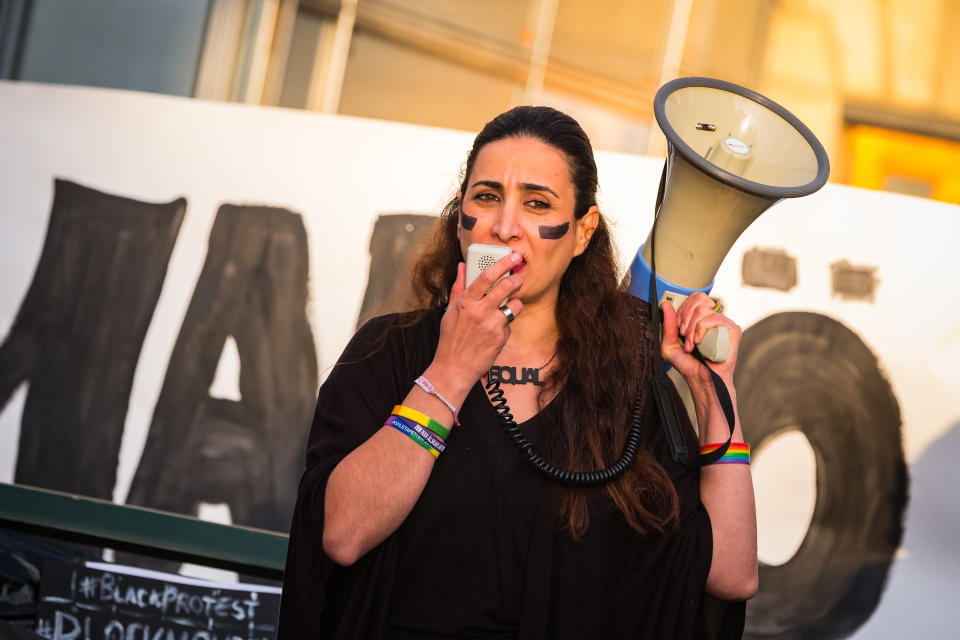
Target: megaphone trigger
{"x": 715, "y": 345}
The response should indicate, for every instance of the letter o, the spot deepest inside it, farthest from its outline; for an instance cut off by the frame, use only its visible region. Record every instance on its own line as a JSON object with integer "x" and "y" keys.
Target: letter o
{"x": 807, "y": 371}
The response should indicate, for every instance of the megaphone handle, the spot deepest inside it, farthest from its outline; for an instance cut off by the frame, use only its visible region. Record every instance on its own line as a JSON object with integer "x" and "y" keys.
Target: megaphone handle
{"x": 715, "y": 345}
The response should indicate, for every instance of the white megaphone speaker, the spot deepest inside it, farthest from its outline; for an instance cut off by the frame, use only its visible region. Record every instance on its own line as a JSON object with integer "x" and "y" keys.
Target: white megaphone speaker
{"x": 731, "y": 154}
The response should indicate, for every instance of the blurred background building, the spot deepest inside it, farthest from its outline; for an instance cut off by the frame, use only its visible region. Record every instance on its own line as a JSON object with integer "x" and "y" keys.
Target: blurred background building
{"x": 878, "y": 81}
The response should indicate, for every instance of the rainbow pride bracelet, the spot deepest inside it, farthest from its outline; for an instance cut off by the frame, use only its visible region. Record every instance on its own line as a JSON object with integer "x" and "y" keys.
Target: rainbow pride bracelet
{"x": 400, "y": 426}
{"x": 737, "y": 452}
{"x": 421, "y": 419}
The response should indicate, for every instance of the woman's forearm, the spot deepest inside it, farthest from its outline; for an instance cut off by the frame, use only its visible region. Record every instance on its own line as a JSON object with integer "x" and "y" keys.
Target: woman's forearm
{"x": 726, "y": 491}
{"x": 373, "y": 489}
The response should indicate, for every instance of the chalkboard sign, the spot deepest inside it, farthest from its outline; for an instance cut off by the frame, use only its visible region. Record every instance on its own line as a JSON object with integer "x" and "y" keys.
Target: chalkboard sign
{"x": 90, "y": 600}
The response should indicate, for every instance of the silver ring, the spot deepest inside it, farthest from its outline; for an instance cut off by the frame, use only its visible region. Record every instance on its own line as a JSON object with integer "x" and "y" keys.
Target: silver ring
{"x": 508, "y": 313}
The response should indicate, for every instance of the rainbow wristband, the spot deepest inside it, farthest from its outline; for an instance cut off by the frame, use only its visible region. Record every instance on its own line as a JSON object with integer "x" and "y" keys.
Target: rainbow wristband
{"x": 403, "y": 428}
{"x": 737, "y": 452}
{"x": 422, "y": 419}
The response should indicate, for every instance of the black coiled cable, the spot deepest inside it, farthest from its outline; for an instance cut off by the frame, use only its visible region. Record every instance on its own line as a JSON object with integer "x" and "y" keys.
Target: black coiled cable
{"x": 552, "y": 473}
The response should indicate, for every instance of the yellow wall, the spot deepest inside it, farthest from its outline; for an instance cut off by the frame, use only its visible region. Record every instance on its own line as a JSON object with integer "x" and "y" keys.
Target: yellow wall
{"x": 879, "y": 158}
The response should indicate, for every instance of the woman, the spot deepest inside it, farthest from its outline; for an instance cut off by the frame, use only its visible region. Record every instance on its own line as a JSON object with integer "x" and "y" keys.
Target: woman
{"x": 393, "y": 539}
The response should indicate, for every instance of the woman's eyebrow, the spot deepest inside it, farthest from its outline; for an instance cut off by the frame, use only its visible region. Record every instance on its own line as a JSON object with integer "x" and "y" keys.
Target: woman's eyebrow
{"x": 493, "y": 184}
{"x": 525, "y": 186}
{"x": 529, "y": 186}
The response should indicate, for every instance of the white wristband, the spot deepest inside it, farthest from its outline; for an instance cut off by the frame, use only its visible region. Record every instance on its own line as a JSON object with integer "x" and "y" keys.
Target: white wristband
{"x": 424, "y": 384}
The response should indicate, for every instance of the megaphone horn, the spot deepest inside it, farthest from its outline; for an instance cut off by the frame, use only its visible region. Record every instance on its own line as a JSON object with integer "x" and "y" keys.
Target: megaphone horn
{"x": 731, "y": 154}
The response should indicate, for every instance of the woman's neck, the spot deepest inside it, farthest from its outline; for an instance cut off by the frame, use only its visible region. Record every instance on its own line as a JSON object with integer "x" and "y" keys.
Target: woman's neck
{"x": 533, "y": 334}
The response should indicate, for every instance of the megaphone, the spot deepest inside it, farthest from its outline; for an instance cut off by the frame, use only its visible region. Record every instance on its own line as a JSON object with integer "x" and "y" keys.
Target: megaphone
{"x": 731, "y": 154}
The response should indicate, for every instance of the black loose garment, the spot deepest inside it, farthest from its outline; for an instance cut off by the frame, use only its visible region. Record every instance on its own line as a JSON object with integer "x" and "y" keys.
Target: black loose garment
{"x": 483, "y": 553}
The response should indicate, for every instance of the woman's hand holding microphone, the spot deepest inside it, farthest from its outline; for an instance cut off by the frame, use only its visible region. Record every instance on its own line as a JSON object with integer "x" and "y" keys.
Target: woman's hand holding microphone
{"x": 476, "y": 326}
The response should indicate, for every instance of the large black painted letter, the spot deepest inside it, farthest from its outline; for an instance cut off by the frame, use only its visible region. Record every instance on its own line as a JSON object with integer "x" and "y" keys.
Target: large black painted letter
{"x": 248, "y": 454}
{"x": 77, "y": 336}
{"x": 394, "y": 243}
{"x": 808, "y": 372}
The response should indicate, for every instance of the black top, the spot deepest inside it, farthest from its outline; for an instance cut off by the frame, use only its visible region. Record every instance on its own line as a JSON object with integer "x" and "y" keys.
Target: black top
{"x": 482, "y": 554}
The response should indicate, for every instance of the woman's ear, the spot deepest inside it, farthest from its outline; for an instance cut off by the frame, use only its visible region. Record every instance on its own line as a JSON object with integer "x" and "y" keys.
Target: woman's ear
{"x": 585, "y": 228}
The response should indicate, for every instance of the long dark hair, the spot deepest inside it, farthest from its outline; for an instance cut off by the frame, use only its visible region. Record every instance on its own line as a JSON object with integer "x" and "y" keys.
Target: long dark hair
{"x": 603, "y": 356}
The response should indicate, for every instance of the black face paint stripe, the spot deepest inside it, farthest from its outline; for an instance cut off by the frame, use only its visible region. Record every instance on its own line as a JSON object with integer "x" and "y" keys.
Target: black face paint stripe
{"x": 554, "y": 233}
{"x": 467, "y": 222}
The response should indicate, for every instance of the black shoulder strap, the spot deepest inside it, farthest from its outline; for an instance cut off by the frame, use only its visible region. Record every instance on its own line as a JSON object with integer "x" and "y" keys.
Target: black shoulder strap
{"x": 662, "y": 392}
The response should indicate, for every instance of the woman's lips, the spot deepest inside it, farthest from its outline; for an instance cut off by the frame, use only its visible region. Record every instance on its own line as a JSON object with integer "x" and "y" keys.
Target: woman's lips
{"x": 519, "y": 267}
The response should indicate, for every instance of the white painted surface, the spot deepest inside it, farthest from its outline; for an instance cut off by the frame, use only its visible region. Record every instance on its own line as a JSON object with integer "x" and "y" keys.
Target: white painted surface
{"x": 341, "y": 172}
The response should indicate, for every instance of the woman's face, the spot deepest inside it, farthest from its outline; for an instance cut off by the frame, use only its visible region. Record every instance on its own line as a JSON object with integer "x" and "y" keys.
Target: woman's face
{"x": 519, "y": 194}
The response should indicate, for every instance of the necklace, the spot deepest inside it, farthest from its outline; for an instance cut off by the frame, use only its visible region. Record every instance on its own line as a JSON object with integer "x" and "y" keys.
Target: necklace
{"x": 509, "y": 375}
